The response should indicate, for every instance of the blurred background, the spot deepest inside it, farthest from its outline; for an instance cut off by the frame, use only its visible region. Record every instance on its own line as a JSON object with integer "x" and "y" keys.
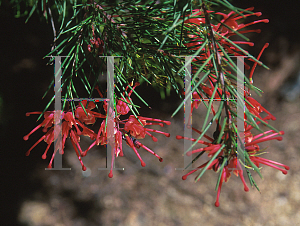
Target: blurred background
{"x": 156, "y": 194}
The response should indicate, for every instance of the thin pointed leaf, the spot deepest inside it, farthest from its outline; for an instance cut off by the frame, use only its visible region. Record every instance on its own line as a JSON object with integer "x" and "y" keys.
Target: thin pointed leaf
{"x": 64, "y": 15}
{"x": 198, "y": 83}
{"x": 209, "y": 105}
{"x": 31, "y": 11}
{"x": 222, "y": 130}
{"x": 208, "y": 164}
{"x": 221, "y": 172}
{"x": 195, "y": 159}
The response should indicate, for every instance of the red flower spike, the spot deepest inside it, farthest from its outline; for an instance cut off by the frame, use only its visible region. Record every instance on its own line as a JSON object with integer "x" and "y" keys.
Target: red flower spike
{"x": 91, "y": 116}
{"x": 231, "y": 21}
{"x": 258, "y": 160}
{"x": 153, "y": 137}
{"x": 129, "y": 141}
{"x": 67, "y": 130}
{"x": 85, "y": 152}
{"x": 71, "y": 121}
{"x": 149, "y": 150}
{"x": 138, "y": 131}
{"x": 96, "y": 44}
{"x": 49, "y": 117}
{"x": 122, "y": 107}
{"x": 178, "y": 137}
{"x": 73, "y": 141}
{"x": 238, "y": 171}
{"x": 196, "y": 101}
{"x": 233, "y": 165}
{"x": 217, "y": 203}
{"x": 87, "y": 119}
{"x": 101, "y": 136}
{"x": 42, "y": 138}
{"x": 157, "y": 131}
{"x": 184, "y": 177}
{"x": 75, "y": 138}
{"x": 87, "y": 132}
{"x": 198, "y": 20}
{"x": 44, "y": 156}
{"x": 118, "y": 143}
{"x": 155, "y": 120}
{"x": 255, "y": 63}
{"x": 257, "y": 108}
{"x": 110, "y": 175}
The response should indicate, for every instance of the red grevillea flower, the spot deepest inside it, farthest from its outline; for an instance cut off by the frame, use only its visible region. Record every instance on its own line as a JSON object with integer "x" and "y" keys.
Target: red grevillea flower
{"x": 137, "y": 130}
{"x": 69, "y": 128}
{"x": 134, "y": 130}
{"x": 90, "y": 116}
{"x": 231, "y": 21}
{"x": 255, "y": 108}
{"x": 253, "y": 149}
{"x": 197, "y": 21}
{"x": 122, "y": 105}
{"x": 251, "y": 144}
{"x": 195, "y": 101}
{"x": 233, "y": 165}
{"x": 128, "y": 130}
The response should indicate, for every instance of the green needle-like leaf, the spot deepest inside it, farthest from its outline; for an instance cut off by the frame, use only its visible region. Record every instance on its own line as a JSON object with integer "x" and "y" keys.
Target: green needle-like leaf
{"x": 221, "y": 172}
{"x": 208, "y": 164}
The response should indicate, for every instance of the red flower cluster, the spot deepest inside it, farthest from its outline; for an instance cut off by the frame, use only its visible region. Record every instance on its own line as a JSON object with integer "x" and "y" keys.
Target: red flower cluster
{"x": 232, "y": 162}
{"x": 73, "y": 126}
{"x": 69, "y": 127}
{"x": 129, "y": 130}
{"x": 225, "y": 28}
{"x": 250, "y": 144}
{"x": 224, "y": 158}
